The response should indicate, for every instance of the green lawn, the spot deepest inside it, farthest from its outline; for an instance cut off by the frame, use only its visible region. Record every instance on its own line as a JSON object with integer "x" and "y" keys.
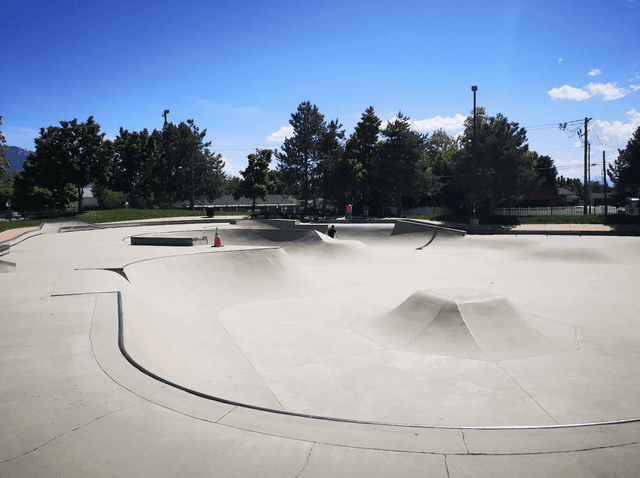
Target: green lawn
{"x": 117, "y": 215}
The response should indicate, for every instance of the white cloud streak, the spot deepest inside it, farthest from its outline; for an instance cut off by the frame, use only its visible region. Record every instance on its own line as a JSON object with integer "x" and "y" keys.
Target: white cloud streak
{"x": 280, "y": 135}
{"x": 594, "y": 72}
{"x": 448, "y": 123}
{"x": 608, "y": 91}
{"x": 617, "y": 131}
{"x": 567, "y": 92}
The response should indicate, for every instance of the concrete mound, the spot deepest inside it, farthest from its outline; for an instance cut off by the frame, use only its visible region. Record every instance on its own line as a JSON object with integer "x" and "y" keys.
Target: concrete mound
{"x": 460, "y": 323}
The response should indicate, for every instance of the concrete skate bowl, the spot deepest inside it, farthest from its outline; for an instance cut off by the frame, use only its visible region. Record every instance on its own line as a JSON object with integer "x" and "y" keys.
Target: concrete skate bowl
{"x": 468, "y": 332}
{"x": 293, "y": 240}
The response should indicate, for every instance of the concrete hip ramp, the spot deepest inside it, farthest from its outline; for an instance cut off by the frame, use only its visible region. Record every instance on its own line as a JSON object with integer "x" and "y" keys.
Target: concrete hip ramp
{"x": 461, "y": 322}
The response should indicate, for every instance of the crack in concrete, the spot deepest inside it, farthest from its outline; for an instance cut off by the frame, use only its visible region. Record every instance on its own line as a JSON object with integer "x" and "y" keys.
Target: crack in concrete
{"x": 68, "y": 432}
{"x": 446, "y": 466}
{"x": 464, "y": 441}
{"x": 307, "y": 463}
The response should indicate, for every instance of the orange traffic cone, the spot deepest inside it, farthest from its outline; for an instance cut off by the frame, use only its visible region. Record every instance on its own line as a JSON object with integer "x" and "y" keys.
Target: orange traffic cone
{"x": 217, "y": 242}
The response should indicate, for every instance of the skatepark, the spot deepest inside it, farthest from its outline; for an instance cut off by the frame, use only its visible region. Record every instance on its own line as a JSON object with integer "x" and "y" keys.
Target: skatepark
{"x": 398, "y": 348}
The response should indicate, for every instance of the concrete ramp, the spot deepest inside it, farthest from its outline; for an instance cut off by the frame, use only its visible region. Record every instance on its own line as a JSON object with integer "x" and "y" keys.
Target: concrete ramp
{"x": 459, "y": 323}
{"x": 268, "y": 237}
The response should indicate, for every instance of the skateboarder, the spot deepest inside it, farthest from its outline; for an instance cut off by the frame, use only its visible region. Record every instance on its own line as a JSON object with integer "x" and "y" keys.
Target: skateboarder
{"x": 332, "y": 231}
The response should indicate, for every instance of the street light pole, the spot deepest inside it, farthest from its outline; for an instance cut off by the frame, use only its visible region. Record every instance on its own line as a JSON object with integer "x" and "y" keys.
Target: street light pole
{"x": 474, "y": 89}
{"x": 475, "y": 158}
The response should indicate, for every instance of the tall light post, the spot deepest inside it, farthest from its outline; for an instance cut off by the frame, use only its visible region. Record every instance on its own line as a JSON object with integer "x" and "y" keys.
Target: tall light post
{"x": 474, "y": 89}
{"x": 474, "y": 220}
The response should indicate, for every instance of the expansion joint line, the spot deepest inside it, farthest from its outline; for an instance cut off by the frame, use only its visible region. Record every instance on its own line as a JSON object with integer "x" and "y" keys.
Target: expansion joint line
{"x": 527, "y": 393}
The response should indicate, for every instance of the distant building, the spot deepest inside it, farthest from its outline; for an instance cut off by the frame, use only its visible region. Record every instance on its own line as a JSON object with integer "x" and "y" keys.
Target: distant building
{"x": 273, "y": 203}
{"x": 88, "y": 201}
{"x": 567, "y": 198}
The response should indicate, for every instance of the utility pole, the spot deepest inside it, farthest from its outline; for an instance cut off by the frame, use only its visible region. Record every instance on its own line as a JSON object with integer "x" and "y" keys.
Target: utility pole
{"x": 604, "y": 182}
{"x": 586, "y": 142}
{"x": 589, "y": 177}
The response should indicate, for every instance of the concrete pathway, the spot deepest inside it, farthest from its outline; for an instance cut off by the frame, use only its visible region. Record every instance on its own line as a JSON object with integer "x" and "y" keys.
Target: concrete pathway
{"x": 302, "y": 330}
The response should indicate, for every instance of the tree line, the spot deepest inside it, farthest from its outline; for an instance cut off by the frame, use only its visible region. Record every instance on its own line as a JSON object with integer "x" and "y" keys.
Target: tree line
{"x": 395, "y": 166}
{"x": 149, "y": 169}
{"x": 487, "y": 166}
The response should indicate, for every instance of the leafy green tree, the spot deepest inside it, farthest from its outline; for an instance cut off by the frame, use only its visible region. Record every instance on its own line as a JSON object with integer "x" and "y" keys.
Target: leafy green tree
{"x": 81, "y": 150}
{"x": 401, "y": 165}
{"x": 137, "y": 155}
{"x": 72, "y": 154}
{"x": 42, "y": 184}
{"x": 502, "y": 167}
{"x": 547, "y": 174}
{"x": 5, "y": 183}
{"x": 343, "y": 177}
{"x": 193, "y": 170}
{"x": 625, "y": 171}
{"x": 354, "y": 175}
{"x": 441, "y": 150}
{"x": 278, "y": 184}
{"x": 255, "y": 178}
{"x": 300, "y": 154}
{"x": 331, "y": 149}
{"x": 230, "y": 184}
{"x": 572, "y": 184}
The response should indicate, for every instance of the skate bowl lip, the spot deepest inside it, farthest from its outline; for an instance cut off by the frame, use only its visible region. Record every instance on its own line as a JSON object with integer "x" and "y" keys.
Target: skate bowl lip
{"x": 132, "y": 361}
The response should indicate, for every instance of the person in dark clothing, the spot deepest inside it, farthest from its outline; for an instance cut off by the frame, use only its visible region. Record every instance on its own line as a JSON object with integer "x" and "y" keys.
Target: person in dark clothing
{"x": 332, "y": 231}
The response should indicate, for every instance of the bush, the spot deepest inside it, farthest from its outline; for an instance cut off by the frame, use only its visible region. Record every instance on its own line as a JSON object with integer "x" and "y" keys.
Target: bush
{"x": 108, "y": 199}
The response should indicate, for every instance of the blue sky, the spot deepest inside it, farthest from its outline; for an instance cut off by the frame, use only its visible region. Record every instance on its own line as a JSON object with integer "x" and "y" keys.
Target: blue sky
{"x": 239, "y": 69}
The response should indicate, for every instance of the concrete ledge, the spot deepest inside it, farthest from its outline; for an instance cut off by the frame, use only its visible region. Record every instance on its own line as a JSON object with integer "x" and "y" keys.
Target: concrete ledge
{"x": 168, "y": 241}
{"x": 7, "y": 266}
{"x": 409, "y": 226}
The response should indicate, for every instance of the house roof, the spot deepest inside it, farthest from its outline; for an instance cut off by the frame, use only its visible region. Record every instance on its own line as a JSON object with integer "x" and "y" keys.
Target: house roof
{"x": 566, "y": 192}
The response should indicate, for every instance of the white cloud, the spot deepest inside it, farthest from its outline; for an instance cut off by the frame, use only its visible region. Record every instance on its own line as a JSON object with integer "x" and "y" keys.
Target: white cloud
{"x": 567, "y": 92}
{"x": 560, "y": 60}
{"x": 616, "y": 134}
{"x": 280, "y": 135}
{"x": 635, "y": 87}
{"x": 608, "y": 91}
{"x": 594, "y": 72}
{"x": 448, "y": 123}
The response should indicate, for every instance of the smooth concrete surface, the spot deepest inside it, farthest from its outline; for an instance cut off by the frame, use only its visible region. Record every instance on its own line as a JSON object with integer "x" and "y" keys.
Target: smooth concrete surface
{"x": 373, "y": 354}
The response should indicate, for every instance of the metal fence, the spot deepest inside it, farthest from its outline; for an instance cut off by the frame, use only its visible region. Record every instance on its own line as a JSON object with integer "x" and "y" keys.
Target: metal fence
{"x": 559, "y": 211}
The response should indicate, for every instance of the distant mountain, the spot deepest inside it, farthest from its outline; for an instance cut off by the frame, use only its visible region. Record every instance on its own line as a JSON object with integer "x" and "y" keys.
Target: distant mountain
{"x": 16, "y": 157}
